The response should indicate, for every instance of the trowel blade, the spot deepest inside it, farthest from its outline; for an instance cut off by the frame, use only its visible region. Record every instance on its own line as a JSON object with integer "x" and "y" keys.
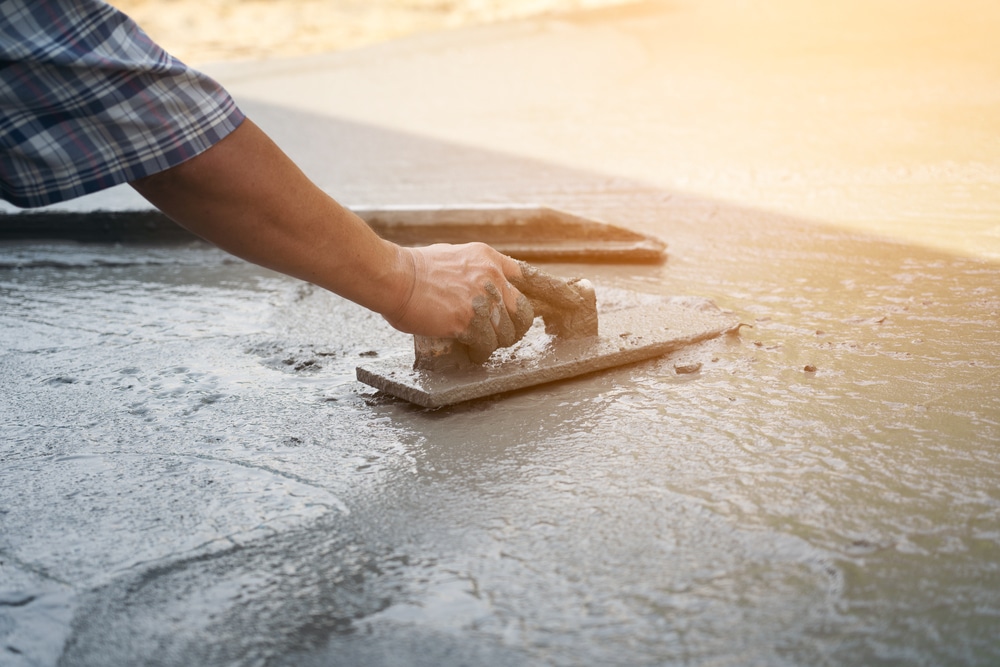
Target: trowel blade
{"x": 626, "y": 336}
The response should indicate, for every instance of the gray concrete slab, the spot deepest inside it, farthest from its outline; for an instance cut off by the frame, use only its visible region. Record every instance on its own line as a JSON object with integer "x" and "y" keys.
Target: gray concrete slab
{"x": 191, "y": 474}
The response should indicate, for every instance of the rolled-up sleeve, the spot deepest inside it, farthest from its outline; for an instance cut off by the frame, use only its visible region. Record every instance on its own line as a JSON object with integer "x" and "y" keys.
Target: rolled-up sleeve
{"x": 88, "y": 101}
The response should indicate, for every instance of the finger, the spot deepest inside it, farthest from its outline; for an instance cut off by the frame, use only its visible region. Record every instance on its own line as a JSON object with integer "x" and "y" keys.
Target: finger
{"x": 511, "y": 267}
{"x": 542, "y": 287}
{"x": 519, "y": 307}
{"x": 523, "y": 317}
{"x": 480, "y": 336}
{"x": 500, "y": 318}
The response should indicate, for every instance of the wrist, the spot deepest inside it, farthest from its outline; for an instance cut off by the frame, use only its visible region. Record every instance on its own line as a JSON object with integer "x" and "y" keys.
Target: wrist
{"x": 402, "y": 281}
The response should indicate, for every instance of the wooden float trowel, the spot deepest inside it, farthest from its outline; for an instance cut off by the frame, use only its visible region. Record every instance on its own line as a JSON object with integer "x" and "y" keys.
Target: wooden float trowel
{"x": 581, "y": 334}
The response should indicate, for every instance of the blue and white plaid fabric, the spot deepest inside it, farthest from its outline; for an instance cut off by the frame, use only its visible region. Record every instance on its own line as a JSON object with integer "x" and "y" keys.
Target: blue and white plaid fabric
{"x": 87, "y": 101}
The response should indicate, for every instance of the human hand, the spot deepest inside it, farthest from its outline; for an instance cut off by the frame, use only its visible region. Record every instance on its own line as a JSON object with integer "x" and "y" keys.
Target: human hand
{"x": 464, "y": 292}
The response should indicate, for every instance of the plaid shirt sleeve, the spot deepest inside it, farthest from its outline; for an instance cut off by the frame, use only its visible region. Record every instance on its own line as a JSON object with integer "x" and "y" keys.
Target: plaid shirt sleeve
{"x": 87, "y": 101}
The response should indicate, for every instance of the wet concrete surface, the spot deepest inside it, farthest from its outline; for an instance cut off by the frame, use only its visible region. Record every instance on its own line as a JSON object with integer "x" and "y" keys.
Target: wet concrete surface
{"x": 190, "y": 473}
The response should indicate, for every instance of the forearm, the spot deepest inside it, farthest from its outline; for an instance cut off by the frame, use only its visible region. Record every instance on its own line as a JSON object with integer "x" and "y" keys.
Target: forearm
{"x": 246, "y": 196}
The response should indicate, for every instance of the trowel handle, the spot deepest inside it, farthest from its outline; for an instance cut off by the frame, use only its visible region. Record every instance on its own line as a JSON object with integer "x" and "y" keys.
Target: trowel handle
{"x": 568, "y": 307}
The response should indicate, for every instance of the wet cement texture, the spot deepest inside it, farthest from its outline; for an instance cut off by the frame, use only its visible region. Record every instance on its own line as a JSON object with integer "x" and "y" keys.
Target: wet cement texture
{"x": 190, "y": 474}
